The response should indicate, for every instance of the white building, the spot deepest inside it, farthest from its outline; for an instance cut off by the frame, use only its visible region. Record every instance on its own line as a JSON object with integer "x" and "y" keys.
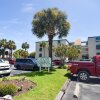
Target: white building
{"x": 44, "y": 52}
{"x": 94, "y": 46}
{"x": 90, "y": 48}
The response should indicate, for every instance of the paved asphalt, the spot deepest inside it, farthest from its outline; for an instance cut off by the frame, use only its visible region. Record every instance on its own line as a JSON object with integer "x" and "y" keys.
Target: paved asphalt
{"x": 89, "y": 91}
{"x": 16, "y": 72}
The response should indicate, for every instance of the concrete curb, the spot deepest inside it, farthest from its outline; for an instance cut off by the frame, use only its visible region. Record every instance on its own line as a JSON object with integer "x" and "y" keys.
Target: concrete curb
{"x": 76, "y": 91}
{"x": 62, "y": 91}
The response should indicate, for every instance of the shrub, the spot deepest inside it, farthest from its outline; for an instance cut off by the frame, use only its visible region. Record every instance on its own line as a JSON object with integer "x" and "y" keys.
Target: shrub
{"x": 62, "y": 67}
{"x": 5, "y": 79}
{"x": 7, "y": 89}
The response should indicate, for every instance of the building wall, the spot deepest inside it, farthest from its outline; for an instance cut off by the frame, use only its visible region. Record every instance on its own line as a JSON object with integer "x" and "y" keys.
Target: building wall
{"x": 94, "y": 46}
{"x": 55, "y": 44}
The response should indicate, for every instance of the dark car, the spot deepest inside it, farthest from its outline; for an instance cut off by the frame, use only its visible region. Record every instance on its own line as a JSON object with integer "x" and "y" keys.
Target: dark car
{"x": 56, "y": 62}
{"x": 26, "y": 64}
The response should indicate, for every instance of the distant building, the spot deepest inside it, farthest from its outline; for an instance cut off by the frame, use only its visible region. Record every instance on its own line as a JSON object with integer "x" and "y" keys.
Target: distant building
{"x": 43, "y": 52}
{"x": 88, "y": 48}
{"x": 94, "y": 46}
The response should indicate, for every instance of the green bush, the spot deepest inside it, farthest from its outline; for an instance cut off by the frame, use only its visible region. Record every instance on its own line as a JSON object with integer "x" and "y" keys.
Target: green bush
{"x": 5, "y": 79}
{"x": 7, "y": 89}
{"x": 62, "y": 67}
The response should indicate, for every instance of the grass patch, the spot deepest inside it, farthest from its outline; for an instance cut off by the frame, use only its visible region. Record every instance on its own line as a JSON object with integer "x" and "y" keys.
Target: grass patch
{"x": 48, "y": 85}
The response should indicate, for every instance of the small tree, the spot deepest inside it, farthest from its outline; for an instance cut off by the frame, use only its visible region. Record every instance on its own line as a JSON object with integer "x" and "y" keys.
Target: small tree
{"x": 32, "y": 54}
{"x": 73, "y": 52}
{"x": 11, "y": 46}
{"x": 20, "y": 54}
{"x": 61, "y": 51}
{"x": 4, "y": 46}
{"x": 25, "y": 46}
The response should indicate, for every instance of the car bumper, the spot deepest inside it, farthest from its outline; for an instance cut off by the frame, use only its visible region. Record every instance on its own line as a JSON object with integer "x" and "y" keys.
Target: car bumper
{"x": 5, "y": 72}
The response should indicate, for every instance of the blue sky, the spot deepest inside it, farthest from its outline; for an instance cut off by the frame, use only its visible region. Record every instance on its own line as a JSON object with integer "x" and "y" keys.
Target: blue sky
{"x": 16, "y": 17}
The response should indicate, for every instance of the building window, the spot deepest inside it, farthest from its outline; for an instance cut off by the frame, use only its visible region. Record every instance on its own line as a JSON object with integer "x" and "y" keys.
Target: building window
{"x": 97, "y": 46}
{"x": 40, "y": 55}
{"x": 97, "y": 38}
{"x": 40, "y": 49}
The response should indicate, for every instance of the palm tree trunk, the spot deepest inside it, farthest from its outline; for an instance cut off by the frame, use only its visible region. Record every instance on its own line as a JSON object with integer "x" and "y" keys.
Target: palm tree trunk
{"x": 11, "y": 53}
{"x": 44, "y": 51}
{"x": 50, "y": 47}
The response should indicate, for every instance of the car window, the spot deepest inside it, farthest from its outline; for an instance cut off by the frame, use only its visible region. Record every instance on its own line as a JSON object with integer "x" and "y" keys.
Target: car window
{"x": 34, "y": 60}
{"x": 29, "y": 61}
{"x": 21, "y": 60}
{"x": 1, "y": 61}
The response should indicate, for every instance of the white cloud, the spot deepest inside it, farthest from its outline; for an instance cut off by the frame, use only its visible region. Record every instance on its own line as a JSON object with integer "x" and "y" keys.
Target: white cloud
{"x": 27, "y": 8}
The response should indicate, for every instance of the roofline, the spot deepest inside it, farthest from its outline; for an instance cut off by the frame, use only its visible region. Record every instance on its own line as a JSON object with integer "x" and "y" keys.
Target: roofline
{"x": 93, "y": 36}
{"x": 53, "y": 40}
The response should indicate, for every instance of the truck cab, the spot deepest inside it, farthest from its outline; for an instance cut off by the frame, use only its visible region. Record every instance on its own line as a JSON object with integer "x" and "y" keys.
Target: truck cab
{"x": 85, "y": 69}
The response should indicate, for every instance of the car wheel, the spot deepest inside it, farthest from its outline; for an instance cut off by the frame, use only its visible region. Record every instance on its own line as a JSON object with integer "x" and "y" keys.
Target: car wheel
{"x": 7, "y": 74}
{"x": 83, "y": 76}
{"x": 18, "y": 67}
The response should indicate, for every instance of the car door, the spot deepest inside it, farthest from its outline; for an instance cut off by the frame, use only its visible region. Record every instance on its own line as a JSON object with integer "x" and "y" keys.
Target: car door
{"x": 29, "y": 64}
{"x": 98, "y": 67}
{"x": 23, "y": 64}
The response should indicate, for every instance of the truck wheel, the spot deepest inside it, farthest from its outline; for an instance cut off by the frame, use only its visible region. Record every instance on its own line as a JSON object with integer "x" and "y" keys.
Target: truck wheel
{"x": 83, "y": 76}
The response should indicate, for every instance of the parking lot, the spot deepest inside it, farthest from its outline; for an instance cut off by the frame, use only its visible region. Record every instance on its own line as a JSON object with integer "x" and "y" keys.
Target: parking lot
{"x": 16, "y": 72}
{"x": 88, "y": 91}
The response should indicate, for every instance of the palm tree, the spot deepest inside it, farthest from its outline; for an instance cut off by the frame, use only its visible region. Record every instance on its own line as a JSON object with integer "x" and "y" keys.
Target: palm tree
{"x": 25, "y": 46}
{"x": 50, "y": 22}
{"x": 43, "y": 44}
{"x": 11, "y": 46}
{"x": 3, "y": 46}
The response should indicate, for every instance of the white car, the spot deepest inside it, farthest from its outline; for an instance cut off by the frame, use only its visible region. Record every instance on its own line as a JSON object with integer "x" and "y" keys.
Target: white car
{"x": 4, "y": 68}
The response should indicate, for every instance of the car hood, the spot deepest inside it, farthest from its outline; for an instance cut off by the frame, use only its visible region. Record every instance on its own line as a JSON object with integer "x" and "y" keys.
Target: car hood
{"x": 4, "y": 64}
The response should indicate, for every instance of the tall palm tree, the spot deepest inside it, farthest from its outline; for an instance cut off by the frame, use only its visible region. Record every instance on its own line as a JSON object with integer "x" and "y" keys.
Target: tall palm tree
{"x": 43, "y": 44}
{"x": 50, "y": 22}
{"x": 3, "y": 46}
{"x": 11, "y": 46}
{"x": 25, "y": 46}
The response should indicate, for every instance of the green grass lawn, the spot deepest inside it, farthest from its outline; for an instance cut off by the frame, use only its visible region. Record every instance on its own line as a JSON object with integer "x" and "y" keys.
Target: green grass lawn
{"x": 48, "y": 85}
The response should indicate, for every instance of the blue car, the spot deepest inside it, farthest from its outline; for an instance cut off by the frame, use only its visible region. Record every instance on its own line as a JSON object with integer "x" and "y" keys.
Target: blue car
{"x": 26, "y": 64}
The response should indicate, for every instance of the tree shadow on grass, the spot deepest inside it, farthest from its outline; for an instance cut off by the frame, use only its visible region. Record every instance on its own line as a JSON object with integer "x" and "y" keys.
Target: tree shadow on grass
{"x": 68, "y": 75}
{"x": 37, "y": 73}
{"x": 71, "y": 77}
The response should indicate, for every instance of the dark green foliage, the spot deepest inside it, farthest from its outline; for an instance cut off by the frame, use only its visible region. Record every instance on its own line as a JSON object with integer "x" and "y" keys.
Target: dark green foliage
{"x": 5, "y": 79}
{"x": 25, "y": 46}
{"x": 6, "y": 89}
{"x": 32, "y": 54}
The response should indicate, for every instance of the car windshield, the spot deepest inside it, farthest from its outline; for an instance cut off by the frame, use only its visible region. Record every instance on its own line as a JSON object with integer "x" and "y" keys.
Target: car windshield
{"x": 1, "y": 61}
{"x": 34, "y": 60}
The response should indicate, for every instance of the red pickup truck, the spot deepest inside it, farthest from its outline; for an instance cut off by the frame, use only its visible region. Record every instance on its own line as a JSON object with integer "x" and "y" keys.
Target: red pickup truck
{"x": 85, "y": 69}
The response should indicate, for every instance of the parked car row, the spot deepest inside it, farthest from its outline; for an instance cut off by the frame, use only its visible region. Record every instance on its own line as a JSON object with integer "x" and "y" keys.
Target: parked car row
{"x": 20, "y": 64}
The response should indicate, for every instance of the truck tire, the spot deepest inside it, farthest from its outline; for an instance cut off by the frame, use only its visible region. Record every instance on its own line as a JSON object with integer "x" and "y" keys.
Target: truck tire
{"x": 7, "y": 74}
{"x": 83, "y": 76}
